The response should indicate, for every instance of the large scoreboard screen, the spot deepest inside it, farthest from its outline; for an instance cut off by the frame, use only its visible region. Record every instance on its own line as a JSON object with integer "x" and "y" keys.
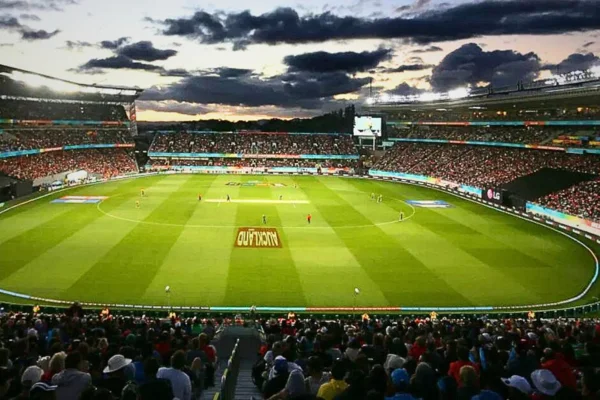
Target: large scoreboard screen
{"x": 367, "y": 126}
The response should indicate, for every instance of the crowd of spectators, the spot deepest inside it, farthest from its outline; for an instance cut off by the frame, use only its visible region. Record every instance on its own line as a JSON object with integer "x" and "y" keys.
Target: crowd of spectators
{"x": 431, "y": 359}
{"x": 527, "y": 135}
{"x": 255, "y": 163}
{"x": 78, "y": 355}
{"x": 104, "y": 162}
{"x": 569, "y": 113}
{"x": 252, "y": 143}
{"x": 47, "y": 110}
{"x": 35, "y": 138}
{"x": 581, "y": 200}
{"x": 479, "y": 166}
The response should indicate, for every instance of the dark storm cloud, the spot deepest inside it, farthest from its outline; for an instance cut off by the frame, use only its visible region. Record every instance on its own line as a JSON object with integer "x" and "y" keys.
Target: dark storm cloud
{"x": 470, "y": 65}
{"x": 145, "y": 51}
{"x": 429, "y": 49}
{"x": 116, "y": 62}
{"x": 305, "y": 90}
{"x": 77, "y": 44}
{"x": 404, "y": 89}
{"x": 30, "y": 17}
{"x": 9, "y": 23}
{"x": 226, "y": 72}
{"x": 575, "y": 62}
{"x": 53, "y": 5}
{"x": 406, "y": 68}
{"x": 462, "y": 21}
{"x": 41, "y": 34}
{"x": 113, "y": 44}
{"x": 349, "y": 61}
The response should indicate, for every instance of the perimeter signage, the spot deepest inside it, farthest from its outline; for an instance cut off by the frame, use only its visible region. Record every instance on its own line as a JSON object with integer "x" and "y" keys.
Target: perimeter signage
{"x": 257, "y": 238}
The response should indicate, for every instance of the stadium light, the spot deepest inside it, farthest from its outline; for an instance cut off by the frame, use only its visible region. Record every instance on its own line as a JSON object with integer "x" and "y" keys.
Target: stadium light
{"x": 370, "y": 100}
{"x": 459, "y": 93}
{"x": 595, "y": 71}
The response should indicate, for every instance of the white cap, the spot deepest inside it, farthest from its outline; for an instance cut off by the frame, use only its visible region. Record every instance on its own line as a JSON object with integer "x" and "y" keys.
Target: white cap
{"x": 32, "y": 374}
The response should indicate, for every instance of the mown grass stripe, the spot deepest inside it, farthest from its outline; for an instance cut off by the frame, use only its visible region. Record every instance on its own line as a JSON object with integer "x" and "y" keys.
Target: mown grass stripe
{"x": 19, "y": 251}
{"x": 397, "y": 272}
{"x": 126, "y": 271}
{"x": 270, "y": 272}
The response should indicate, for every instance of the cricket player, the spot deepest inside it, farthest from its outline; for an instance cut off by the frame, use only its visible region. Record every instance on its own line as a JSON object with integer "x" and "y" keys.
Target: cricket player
{"x": 137, "y": 204}
{"x": 199, "y": 197}
{"x": 228, "y": 198}
{"x": 308, "y": 218}
{"x": 280, "y": 197}
{"x": 372, "y": 196}
{"x": 401, "y": 217}
{"x": 380, "y": 199}
{"x": 264, "y": 218}
{"x": 142, "y": 193}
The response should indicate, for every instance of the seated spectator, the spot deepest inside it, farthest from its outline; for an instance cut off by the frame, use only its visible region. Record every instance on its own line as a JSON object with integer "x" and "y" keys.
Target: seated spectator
{"x": 155, "y": 388}
{"x": 316, "y": 376}
{"x": 72, "y": 381}
{"x": 463, "y": 360}
{"x": 42, "y": 391}
{"x": 518, "y": 388}
{"x": 333, "y": 388}
{"x": 401, "y": 385}
{"x": 115, "y": 372}
{"x": 180, "y": 381}
{"x": 278, "y": 381}
{"x": 468, "y": 383}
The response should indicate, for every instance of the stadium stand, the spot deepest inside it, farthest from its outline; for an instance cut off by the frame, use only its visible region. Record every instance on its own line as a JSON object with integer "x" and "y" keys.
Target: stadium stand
{"x": 582, "y": 200}
{"x": 253, "y": 143}
{"x": 376, "y": 358}
{"x": 529, "y": 135}
{"x": 479, "y": 166}
{"x": 104, "y": 162}
{"x": 30, "y": 138}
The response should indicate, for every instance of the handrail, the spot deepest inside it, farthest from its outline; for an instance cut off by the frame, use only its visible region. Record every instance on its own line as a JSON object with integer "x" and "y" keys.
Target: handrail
{"x": 230, "y": 375}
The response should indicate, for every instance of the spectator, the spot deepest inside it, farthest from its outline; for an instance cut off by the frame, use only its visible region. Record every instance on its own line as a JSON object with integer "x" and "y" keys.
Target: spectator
{"x": 116, "y": 377}
{"x": 278, "y": 382}
{"x": 316, "y": 376}
{"x": 71, "y": 382}
{"x": 518, "y": 388}
{"x": 555, "y": 363}
{"x": 401, "y": 385}
{"x": 155, "y": 388}
{"x": 336, "y": 385}
{"x": 468, "y": 383}
{"x": 180, "y": 381}
{"x": 463, "y": 360}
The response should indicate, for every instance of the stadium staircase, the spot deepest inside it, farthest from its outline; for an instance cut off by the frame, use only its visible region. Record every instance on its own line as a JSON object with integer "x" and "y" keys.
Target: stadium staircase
{"x": 237, "y": 348}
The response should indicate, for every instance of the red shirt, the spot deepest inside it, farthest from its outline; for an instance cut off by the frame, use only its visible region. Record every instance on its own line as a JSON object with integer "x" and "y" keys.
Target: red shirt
{"x": 562, "y": 371}
{"x": 455, "y": 367}
{"x": 417, "y": 351}
{"x": 210, "y": 353}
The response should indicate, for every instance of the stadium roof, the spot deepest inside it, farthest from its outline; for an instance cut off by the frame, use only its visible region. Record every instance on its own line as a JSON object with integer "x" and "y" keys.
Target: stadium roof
{"x": 544, "y": 93}
{"x": 16, "y": 82}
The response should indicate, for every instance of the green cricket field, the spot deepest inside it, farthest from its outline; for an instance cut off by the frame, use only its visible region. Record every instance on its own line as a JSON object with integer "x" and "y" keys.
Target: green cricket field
{"x": 219, "y": 253}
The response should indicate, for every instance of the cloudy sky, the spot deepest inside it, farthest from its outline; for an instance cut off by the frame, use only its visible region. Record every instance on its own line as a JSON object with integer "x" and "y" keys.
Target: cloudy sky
{"x": 252, "y": 59}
